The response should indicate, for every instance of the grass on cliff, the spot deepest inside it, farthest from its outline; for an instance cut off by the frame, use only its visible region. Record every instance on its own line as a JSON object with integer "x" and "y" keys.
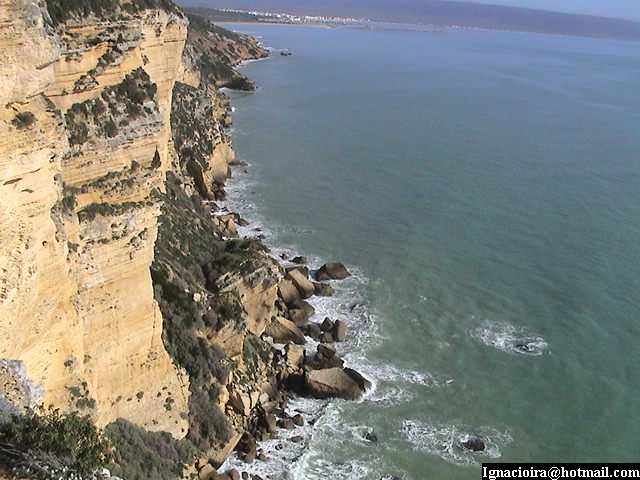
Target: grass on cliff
{"x": 61, "y": 11}
{"x": 50, "y": 444}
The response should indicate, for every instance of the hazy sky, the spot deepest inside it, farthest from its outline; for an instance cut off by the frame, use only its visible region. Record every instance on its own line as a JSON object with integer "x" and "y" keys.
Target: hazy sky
{"x": 610, "y": 8}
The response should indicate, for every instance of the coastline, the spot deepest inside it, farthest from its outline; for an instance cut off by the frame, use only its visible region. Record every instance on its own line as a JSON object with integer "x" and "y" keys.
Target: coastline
{"x": 289, "y": 449}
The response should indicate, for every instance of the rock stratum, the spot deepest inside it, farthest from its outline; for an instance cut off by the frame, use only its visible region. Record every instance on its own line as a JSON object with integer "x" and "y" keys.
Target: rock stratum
{"x": 125, "y": 294}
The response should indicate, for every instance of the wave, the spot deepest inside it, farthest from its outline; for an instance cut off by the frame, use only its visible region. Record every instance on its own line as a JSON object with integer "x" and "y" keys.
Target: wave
{"x": 445, "y": 441}
{"x": 509, "y": 338}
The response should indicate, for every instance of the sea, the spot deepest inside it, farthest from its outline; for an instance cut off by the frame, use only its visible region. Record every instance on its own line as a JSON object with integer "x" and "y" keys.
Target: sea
{"x": 484, "y": 189}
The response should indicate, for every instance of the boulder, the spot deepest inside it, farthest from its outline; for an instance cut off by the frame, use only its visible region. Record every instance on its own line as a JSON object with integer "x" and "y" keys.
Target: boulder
{"x": 226, "y": 224}
{"x": 240, "y": 401}
{"x": 323, "y": 289}
{"x": 473, "y": 443}
{"x": 286, "y": 423}
{"x": 370, "y": 436}
{"x": 335, "y": 383}
{"x": 299, "y": 260}
{"x": 207, "y": 472}
{"x": 294, "y": 355}
{"x": 326, "y": 351}
{"x": 298, "y": 316}
{"x": 326, "y": 337}
{"x": 284, "y": 331}
{"x": 298, "y": 420}
{"x": 339, "y": 331}
{"x": 332, "y": 271}
{"x": 303, "y": 284}
{"x": 312, "y": 330}
{"x": 218, "y": 456}
{"x": 247, "y": 447}
{"x": 323, "y": 363}
{"x": 303, "y": 269}
{"x": 288, "y": 291}
{"x": 269, "y": 422}
{"x": 362, "y": 382}
{"x": 326, "y": 325}
{"x": 304, "y": 305}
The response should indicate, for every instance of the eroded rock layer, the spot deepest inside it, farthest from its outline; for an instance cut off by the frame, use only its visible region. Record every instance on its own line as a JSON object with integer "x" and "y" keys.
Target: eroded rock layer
{"x": 85, "y": 139}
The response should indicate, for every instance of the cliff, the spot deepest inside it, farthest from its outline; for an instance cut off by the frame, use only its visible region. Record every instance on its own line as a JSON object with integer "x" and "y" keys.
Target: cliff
{"x": 86, "y": 125}
{"x": 125, "y": 293}
{"x": 85, "y": 143}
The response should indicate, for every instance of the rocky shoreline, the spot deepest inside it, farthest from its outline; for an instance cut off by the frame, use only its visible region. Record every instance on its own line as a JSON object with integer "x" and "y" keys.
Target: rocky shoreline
{"x": 318, "y": 373}
{"x": 237, "y": 318}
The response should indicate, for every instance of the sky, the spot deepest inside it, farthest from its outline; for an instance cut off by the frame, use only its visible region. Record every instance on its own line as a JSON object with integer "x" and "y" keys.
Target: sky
{"x": 610, "y": 8}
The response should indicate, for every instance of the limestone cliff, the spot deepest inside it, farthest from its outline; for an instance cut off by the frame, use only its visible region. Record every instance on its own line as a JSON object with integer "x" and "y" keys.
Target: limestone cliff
{"x": 113, "y": 146}
{"x": 84, "y": 122}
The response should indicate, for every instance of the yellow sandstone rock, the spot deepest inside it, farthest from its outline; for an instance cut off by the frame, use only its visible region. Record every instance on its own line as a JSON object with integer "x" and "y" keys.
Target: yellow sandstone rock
{"x": 76, "y": 298}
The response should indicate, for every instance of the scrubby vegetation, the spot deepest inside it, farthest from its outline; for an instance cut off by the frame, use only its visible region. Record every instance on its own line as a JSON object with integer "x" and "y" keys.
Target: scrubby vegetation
{"x": 23, "y": 120}
{"x": 80, "y": 397}
{"x": 187, "y": 239}
{"x": 217, "y": 50}
{"x": 52, "y": 445}
{"x": 62, "y": 10}
{"x": 142, "y": 455}
{"x": 91, "y": 211}
{"x": 134, "y": 98}
{"x": 191, "y": 119}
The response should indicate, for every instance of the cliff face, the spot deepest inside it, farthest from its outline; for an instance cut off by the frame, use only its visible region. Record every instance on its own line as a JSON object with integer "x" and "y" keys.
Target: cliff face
{"x": 212, "y": 52}
{"x": 121, "y": 294}
{"x": 85, "y": 144}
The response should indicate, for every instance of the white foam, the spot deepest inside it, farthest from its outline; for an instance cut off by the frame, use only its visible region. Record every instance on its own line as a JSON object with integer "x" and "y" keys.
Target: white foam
{"x": 445, "y": 441}
{"x": 510, "y": 338}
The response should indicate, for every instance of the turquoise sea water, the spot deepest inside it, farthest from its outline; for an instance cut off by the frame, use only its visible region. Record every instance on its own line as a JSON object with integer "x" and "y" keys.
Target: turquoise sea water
{"x": 486, "y": 189}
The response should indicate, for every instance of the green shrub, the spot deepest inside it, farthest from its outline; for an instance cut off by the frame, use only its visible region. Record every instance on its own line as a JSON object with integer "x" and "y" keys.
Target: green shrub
{"x": 24, "y": 120}
{"x": 110, "y": 128}
{"x": 78, "y": 133}
{"x": 142, "y": 455}
{"x": 208, "y": 424}
{"x": 53, "y": 445}
{"x": 63, "y": 10}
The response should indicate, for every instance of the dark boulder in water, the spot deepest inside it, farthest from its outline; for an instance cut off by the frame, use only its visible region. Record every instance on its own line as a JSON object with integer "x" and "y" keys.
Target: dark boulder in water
{"x": 370, "y": 436}
{"x": 332, "y": 271}
{"x": 473, "y": 443}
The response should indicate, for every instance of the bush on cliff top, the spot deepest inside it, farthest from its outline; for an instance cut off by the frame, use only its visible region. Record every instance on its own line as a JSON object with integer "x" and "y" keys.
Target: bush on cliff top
{"x": 52, "y": 445}
{"x": 62, "y": 10}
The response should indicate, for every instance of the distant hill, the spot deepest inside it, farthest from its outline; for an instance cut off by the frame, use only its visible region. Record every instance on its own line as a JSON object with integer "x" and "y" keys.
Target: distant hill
{"x": 445, "y": 12}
